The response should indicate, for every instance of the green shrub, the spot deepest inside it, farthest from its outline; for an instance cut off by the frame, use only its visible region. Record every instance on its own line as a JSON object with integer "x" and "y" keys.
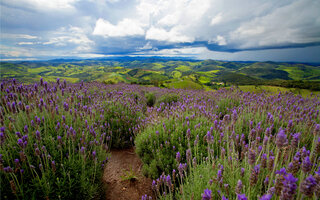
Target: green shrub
{"x": 168, "y": 99}
{"x": 151, "y": 99}
{"x": 158, "y": 145}
{"x": 61, "y": 170}
{"x": 225, "y": 104}
{"x": 121, "y": 122}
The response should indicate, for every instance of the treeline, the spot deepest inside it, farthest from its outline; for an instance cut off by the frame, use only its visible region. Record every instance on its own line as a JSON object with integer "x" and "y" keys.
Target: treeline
{"x": 230, "y": 78}
{"x": 311, "y": 85}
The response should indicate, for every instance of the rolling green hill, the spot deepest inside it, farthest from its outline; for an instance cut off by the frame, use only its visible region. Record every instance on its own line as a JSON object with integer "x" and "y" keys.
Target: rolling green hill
{"x": 167, "y": 72}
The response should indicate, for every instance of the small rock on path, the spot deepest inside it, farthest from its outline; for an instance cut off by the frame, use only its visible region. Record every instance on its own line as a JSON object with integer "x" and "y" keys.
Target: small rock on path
{"x": 122, "y": 161}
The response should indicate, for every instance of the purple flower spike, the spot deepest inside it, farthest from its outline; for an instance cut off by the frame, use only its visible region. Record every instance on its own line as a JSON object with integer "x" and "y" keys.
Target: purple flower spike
{"x": 188, "y": 154}
{"x": 144, "y": 197}
{"x": 38, "y": 135}
{"x": 306, "y": 165}
{"x": 282, "y": 171}
{"x": 20, "y": 143}
{"x": 178, "y": 157}
{"x": 251, "y": 157}
{"x": 239, "y": 187}
{"x": 289, "y": 187}
{"x": 266, "y": 197}
{"x": 308, "y": 186}
{"x": 281, "y": 139}
{"x": 168, "y": 180}
{"x": 206, "y": 195}
{"x": 19, "y": 134}
{"x": 25, "y": 129}
{"x": 242, "y": 197}
{"x": 53, "y": 165}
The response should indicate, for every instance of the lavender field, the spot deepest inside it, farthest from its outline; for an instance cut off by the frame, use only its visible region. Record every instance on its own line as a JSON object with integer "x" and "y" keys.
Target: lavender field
{"x": 56, "y": 138}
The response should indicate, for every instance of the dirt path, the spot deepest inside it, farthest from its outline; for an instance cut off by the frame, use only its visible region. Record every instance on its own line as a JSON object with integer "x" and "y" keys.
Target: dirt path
{"x": 118, "y": 188}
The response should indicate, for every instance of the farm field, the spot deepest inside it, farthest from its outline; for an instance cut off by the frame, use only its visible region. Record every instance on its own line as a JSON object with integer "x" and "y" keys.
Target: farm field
{"x": 58, "y": 137}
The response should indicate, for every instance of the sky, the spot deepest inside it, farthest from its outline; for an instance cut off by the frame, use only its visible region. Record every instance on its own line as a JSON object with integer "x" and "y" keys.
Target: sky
{"x": 256, "y": 30}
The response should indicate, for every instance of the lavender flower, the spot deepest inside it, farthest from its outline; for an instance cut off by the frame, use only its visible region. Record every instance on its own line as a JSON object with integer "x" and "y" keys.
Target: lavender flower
{"x": 295, "y": 140}
{"x": 266, "y": 181}
{"x": 308, "y": 186}
{"x": 168, "y": 180}
{"x": 289, "y": 187}
{"x": 38, "y": 136}
{"x": 306, "y": 165}
{"x": 239, "y": 187}
{"x": 251, "y": 157}
{"x": 266, "y": 197}
{"x": 206, "y": 195}
{"x": 178, "y": 157}
{"x": 281, "y": 139}
{"x": 53, "y": 165}
{"x": 242, "y": 172}
{"x": 241, "y": 197}
{"x": 188, "y": 154}
{"x": 20, "y": 143}
{"x": 264, "y": 160}
{"x": 188, "y": 133}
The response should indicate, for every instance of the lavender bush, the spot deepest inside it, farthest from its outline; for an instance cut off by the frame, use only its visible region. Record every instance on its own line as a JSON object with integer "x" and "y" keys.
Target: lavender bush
{"x": 55, "y": 136}
{"x": 264, "y": 147}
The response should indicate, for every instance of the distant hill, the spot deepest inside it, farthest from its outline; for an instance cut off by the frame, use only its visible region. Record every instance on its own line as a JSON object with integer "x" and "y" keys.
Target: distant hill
{"x": 168, "y": 72}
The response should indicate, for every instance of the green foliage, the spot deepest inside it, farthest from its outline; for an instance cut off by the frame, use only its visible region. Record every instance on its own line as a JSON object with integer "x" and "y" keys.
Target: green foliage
{"x": 158, "y": 145}
{"x": 151, "y": 99}
{"x": 168, "y": 99}
{"x": 121, "y": 120}
{"x": 129, "y": 175}
{"x": 73, "y": 175}
{"x": 226, "y": 104}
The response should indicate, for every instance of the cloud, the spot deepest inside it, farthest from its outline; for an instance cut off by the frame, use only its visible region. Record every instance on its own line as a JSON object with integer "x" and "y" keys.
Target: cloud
{"x": 25, "y": 43}
{"x": 8, "y": 51}
{"x": 295, "y": 23}
{"x": 216, "y": 19}
{"x": 99, "y": 27}
{"x": 18, "y": 36}
{"x": 146, "y": 46}
{"x": 41, "y": 5}
{"x": 75, "y": 38}
{"x": 220, "y": 40}
{"x": 169, "y": 36}
{"x": 126, "y": 27}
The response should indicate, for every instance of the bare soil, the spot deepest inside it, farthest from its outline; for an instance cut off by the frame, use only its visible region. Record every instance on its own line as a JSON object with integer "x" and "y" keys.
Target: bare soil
{"x": 118, "y": 188}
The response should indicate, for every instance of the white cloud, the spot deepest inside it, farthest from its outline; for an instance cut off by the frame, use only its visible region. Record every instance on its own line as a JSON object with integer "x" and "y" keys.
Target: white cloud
{"x": 290, "y": 24}
{"x": 25, "y": 43}
{"x": 18, "y": 36}
{"x": 67, "y": 36}
{"x": 170, "y": 19}
{"x": 187, "y": 51}
{"x": 126, "y": 27}
{"x": 9, "y": 51}
{"x": 216, "y": 19}
{"x": 146, "y": 46}
{"x": 41, "y": 5}
{"x": 169, "y": 36}
{"x": 220, "y": 40}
